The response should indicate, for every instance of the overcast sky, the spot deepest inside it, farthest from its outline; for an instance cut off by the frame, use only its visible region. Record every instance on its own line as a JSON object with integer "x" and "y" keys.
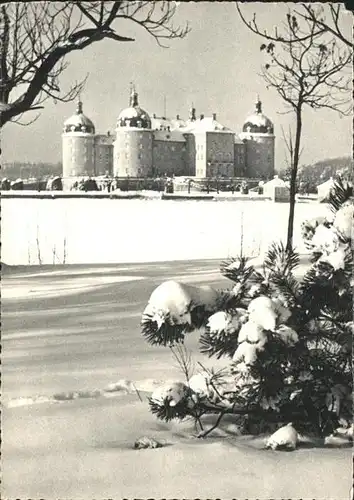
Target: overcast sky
{"x": 216, "y": 67}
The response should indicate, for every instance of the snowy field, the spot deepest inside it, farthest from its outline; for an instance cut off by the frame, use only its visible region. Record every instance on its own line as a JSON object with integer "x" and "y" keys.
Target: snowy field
{"x": 117, "y": 231}
{"x": 70, "y": 339}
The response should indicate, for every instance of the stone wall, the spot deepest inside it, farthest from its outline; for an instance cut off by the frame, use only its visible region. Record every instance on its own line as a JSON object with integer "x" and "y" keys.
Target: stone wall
{"x": 260, "y": 156}
{"x": 220, "y": 154}
{"x": 169, "y": 157}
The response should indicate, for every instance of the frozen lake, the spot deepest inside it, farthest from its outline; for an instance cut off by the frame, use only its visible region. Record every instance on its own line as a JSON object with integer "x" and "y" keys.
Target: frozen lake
{"x": 122, "y": 231}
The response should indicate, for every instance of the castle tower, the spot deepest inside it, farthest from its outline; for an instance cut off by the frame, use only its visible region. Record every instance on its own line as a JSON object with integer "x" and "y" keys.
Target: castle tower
{"x": 259, "y": 138}
{"x": 133, "y": 144}
{"x": 78, "y": 145}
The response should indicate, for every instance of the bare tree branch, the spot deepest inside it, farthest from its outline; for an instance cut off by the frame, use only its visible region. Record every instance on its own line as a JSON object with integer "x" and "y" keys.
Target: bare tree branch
{"x": 313, "y": 16}
{"x": 308, "y": 64}
{"x": 37, "y": 37}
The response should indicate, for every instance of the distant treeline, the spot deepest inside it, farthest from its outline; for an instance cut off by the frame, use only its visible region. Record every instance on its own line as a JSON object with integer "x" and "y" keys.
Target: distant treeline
{"x": 28, "y": 170}
{"x": 310, "y": 176}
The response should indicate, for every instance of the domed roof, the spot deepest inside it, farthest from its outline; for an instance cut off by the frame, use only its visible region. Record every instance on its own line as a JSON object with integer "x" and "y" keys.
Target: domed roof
{"x": 79, "y": 122}
{"x": 258, "y": 122}
{"x": 134, "y": 116}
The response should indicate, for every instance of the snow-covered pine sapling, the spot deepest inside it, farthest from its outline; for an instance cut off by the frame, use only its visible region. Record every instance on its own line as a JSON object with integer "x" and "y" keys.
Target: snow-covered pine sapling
{"x": 286, "y": 342}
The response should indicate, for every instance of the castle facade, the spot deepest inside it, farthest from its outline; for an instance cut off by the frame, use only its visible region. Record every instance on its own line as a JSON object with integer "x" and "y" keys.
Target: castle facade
{"x": 145, "y": 146}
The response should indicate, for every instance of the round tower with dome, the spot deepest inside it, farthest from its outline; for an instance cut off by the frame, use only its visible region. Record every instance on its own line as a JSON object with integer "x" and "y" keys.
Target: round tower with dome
{"x": 258, "y": 136}
{"x": 78, "y": 141}
{"x": 133, "y": 143}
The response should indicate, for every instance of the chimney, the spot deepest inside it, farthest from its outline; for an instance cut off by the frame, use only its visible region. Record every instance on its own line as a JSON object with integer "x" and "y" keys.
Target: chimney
{"x": 108, "y": 133}
{"x": 201, "y": 117}
{"x": 214, "y": 117}
{"x": 177, "y": 117}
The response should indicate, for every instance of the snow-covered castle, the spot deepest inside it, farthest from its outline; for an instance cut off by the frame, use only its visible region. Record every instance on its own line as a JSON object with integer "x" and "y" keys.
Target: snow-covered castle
{"x": 149, "y": 146}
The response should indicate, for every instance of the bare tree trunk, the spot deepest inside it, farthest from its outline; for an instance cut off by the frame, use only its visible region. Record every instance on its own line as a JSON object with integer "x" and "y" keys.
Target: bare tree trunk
{"x": 289, "y": 240}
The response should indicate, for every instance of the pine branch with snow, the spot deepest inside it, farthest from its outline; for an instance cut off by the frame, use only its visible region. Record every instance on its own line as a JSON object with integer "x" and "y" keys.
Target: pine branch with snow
{"x": 287, "y": 343}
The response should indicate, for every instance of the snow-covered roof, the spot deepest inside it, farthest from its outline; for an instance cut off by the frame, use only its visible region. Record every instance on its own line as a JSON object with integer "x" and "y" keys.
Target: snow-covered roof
{"x": 327, "y": 184}
{"x": 161, "y": 123}
{"x": 206, "y": 124}
{"x": 238, "y": 140}
{"x": 275, "y": 182}
{"x": 79, "y": 122}
{"x": 169, "y": 135}
{"x": 134, "y": 117}
{"x": 258, "y": 122}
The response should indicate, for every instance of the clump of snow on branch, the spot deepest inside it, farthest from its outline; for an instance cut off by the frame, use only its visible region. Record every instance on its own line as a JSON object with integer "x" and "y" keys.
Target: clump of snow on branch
{"x": 246, "y": 353}
{"x": 177, "y": 300}
{"x": 174, "y": 309}
{"x": 253, "y": 333}
{"x": 287, "y": 335}
{"x": 262, "y": 312}
{"x": 170, "y": 394}
{"x": 331, "y": 238}
{"x": 343, "y": 221}
{"x": 224, "y": 322}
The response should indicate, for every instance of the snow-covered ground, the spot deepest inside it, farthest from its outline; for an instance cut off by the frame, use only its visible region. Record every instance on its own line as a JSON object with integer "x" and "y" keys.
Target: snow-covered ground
{"x": 111, "y": 231}
{"x": 70, "y": 337}
{"x": 83, "y": 450}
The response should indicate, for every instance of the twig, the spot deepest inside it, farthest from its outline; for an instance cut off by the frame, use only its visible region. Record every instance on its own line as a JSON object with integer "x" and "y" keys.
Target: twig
{"x": 38, "y": 247}
{"x": 64, "y": 250}
{"x": 205, "y": 433}
{"x": 54, "y": 253}
{"x": 29, "y": 254}
{"x": 184, "y": 360}
{"x": 241, "y": 242}
{"x": 138, "y": 393}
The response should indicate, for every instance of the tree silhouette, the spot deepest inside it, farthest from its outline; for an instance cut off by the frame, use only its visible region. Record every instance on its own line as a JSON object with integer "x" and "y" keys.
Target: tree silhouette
{"x": 306, "y": 66}
{"x": 37, "y": 37}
